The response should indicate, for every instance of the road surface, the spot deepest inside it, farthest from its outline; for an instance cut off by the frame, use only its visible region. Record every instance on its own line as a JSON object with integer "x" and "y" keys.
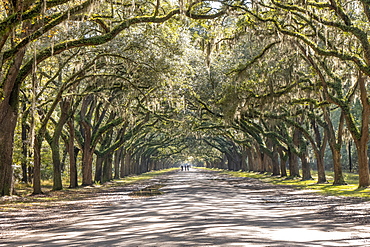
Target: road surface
{"x": 197, "y": 208}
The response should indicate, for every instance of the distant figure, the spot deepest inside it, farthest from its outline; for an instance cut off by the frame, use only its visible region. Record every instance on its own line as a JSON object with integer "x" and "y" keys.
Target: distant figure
{"x": 182, "y": 167}
{"x": 188, "y": 167}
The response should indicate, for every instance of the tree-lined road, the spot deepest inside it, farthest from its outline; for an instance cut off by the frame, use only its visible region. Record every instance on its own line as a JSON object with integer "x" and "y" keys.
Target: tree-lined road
{"x": 198, "y": 208}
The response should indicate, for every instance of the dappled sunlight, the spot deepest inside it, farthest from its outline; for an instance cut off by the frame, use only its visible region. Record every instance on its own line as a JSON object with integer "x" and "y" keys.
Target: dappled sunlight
{"x": 199, "y": 208}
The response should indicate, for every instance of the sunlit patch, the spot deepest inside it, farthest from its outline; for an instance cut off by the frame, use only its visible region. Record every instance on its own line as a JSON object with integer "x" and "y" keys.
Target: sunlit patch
{"x": 306, "y": 235}
{"x": 152, "y": 190}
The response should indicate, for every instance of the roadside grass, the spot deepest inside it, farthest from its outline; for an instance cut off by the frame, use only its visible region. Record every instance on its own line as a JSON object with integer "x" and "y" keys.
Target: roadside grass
{"x": 351, "y": 189}
{"x": 25, "y": 199}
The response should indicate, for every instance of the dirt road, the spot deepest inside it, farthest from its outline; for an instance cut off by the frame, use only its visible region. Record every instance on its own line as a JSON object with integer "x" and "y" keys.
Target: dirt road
{"x": 198, "y": 208}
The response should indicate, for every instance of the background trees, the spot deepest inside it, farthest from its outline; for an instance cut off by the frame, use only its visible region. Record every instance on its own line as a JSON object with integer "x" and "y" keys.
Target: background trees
{"x": 116, "y": 88}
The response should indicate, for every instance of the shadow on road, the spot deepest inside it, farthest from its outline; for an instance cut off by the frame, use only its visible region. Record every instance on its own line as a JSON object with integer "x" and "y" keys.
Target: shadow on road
{"x": 199, "y": 208}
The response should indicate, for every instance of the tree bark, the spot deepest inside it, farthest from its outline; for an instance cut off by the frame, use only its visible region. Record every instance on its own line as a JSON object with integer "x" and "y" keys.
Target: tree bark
{"x": 275, "y": 162}
{"x": 99, "y": 169}
{"x": 335, "y": 143}
{"x": 283, "y": 161}
{"x": 319, "y": 151}
{"x": 107, "y": 168}
{"x": 257, "y": 156}
{"x": 244, "y": 159}
{"x": 72, "y": 156}
{"x": 8, "y": 121}
{"x": 57, "y": 167}
{"x": 117, "y": 161}
{"x": 361, "y": 139}
{"x": 37, "y": 164}
{"x": 306, "y": 170}
{"x": 24, "y": 152}
{"x": 293, "y": 165}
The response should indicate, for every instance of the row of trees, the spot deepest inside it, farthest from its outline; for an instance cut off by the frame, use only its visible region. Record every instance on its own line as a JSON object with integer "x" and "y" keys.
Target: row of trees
{"x": 93, "y": 74}
{"x": 300, "y": 84}
{"x": 124, "y": 87}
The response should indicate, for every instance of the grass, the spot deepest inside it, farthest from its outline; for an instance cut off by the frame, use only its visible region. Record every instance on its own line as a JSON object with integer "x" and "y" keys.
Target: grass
{"x": 24, "y": 191}
{"x": 351, "y": 189}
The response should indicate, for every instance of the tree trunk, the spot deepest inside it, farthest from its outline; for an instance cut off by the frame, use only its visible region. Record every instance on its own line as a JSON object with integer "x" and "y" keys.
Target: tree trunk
{"x": 117, "y": 161}
{"x": 244, "y": 160}
{"x": 87, "y": 159}
{"x": 258, "y": 158}
{"x": 37, "y": 165}
{"x": 99, "y": 169}
{"x": 126, "y": 164}
{"x": 57, "y": 166}
{"x": 335, "y": 143}
{"x": 283, "y": 160}
{"x": 72, "y": 156}
{"x": 306, "y": 170}
{"x": 8, "y": 120}
{"x": 87, "y": 156}
{"x": 350, "y": 156}
{"x": 249, "y": 159}
{"x": 275, "y": 162}
{"x": 107, "y": 168}
{"x": 6, "y": 152}
{"x": 293, "y": 165}
{"x": 57, "y": 171}
{"x": 338, "y": 174}
{"x": 122, "y": 164}
{"x": 320, "y": 148}
{"x": 362, "y": 138}
{"x": 24, "y": 152}
{"x": 363, "y": 167}
{"x": 267, "y": 163}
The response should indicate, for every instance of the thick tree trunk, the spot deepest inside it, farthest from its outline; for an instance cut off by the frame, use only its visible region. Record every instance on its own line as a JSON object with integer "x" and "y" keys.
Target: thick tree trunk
{"x": 99, "y": 169}
{"x": 338, "y": 173}
{"x": 362, "y": 139}
{"x": 126, "y": 165}
{"x": 8, "y": 120}
{"x": 257, "y": 156}
{"x": 57, "y": 169}
{"x": 283, "y": 161}
{"x": 250, "y": 159}
{"x": 87, "y": 159}
{"x": 107, "y": 168}
{"x": 267, "y": 163}
{"x": 293, "y": 165}
{"x": 306, "y": 170}
{"x": 87, "y": 155}
{"x": 321, "y": 169}
{"x": 363, "y": 166}
{"x": 6, "y": 150}
{"x": 57, "y": 166}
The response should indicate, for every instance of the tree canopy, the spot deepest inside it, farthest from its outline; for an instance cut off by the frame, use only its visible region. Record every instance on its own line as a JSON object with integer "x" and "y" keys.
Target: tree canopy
{"x": 95, "y": 90}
